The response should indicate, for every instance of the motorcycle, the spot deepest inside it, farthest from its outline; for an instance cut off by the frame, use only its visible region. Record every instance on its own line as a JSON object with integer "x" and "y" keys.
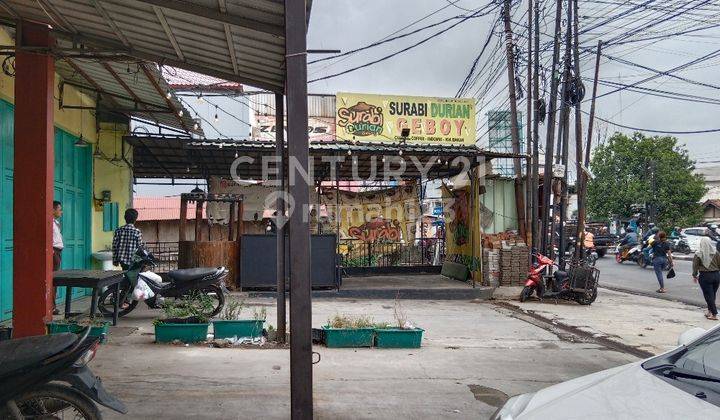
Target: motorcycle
{"x": 680, "y": 244}
{"x": 206, "y": 280}
{"x": 47, "y": 377}
{"x": 558, "y": 285}
{"x": 632, "y": 254}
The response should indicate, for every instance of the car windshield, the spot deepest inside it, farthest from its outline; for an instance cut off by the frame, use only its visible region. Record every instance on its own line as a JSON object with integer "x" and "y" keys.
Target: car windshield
{"x": 703, "y": 357}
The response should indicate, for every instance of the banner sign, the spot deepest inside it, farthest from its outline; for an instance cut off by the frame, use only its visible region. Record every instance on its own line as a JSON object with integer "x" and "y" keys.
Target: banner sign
{"x": 319, "y": 128}
{"x": 381, "y": 118}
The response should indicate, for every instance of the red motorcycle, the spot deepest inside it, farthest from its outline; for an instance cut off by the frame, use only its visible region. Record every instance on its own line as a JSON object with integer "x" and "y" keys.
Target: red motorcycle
{"x": 558, "y": 285}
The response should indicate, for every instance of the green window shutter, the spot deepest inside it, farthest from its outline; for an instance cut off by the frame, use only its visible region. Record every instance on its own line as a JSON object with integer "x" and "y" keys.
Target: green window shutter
{"x": 110, "y": 217}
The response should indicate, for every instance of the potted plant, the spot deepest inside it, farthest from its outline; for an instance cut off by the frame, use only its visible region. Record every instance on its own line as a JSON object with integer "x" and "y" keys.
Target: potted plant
{"x": 348, "y": 331}
{"x": 231, "y": 323}
{"x": 402, "y": 335}
{"x": 98, "y": 326}
{"x": 184, "y": 319}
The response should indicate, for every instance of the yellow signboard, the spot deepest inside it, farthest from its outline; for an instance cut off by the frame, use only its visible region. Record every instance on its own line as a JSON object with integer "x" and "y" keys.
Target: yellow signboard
{"x": 382, "y": 118}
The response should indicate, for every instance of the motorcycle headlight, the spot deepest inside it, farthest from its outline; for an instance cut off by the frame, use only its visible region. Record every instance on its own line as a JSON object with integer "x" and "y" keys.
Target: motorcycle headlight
{"x": 513, "y": 407}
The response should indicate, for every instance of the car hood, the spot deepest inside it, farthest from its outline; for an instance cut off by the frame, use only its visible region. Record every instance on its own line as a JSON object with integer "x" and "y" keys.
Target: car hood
{"x": 624, "y": 392}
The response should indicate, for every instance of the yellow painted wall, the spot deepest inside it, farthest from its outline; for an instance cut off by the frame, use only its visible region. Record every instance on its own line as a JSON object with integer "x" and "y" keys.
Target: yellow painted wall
{"x": 113, "y": 176}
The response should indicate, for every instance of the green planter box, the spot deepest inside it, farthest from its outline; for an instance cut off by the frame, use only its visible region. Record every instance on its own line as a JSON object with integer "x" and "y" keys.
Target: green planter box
{"x": 187, "y": 333}
{"x": 238, "y": 328}
{"x": 62, "y": 327}
{"x": 395, "y": 338}
{"x": 346, "y": 337}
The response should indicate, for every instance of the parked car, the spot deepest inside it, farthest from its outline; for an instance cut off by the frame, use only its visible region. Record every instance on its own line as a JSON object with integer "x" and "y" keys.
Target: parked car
{"x": 681, "y": 384}
{"x": 694, "y": 234}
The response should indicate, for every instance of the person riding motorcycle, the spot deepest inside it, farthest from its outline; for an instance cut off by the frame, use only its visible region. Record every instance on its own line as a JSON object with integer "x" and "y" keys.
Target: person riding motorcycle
{"x": 629, "y": 241}
{"x": 647, "y": 242}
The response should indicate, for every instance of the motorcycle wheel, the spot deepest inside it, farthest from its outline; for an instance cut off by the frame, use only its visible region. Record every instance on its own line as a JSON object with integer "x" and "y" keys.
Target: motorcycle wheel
{"x": 618, "y": 257}
{"x": 107, "y": 299}
{"x": 53, "y": 401}
{"x": 217, "y": 294}
{"x": 587, "y": 298}
{"x": 641, "y": 262}
{"x": 527, "y": 291}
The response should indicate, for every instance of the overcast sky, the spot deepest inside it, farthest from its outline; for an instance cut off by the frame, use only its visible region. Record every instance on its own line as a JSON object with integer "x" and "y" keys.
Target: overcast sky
{"x": 438, "y": 67}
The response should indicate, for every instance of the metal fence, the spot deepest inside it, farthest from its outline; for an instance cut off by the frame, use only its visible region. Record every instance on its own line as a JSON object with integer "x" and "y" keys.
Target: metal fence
{"x": 166, "y": 255}
{"x": 358, "y": 253}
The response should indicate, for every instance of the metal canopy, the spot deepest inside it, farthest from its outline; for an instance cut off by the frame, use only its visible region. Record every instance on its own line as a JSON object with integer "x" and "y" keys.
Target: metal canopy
{"x": 236, "y": 40}
{"x": 140, "y": 92}
{"x": 179, "y": 157}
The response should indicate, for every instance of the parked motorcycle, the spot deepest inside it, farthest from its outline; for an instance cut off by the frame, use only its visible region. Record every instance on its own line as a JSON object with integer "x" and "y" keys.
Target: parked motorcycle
{"x": 558, "y": 285}
{"x": 680, "y": 245}
{"x": 206, "y": 280}
{"x": 632, "y": 254}
{"x": 46, "y": 377}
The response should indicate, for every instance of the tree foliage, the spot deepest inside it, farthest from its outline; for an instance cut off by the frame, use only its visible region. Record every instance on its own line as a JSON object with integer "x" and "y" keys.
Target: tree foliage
{"x": 623, "y": 179}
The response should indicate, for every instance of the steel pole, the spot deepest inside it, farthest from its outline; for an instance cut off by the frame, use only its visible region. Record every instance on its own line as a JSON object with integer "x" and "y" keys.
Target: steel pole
{"x": 301, "y": 377}
{"x": 580, "y": 178}
{"x": 535, "y": 184}
{"x": 591, "y": 120}
{"x": 530, "y": 212}
{"x": 280, "y": 215}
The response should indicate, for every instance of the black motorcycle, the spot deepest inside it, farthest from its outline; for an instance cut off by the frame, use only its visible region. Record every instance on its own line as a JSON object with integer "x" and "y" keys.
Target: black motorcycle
{"x": 680, "y": 245}
{"x": 46, "y": 377}
{"x": 209, "y": 281}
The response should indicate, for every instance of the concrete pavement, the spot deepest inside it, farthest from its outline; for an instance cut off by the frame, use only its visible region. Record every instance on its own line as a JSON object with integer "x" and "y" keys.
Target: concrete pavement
{"x": 473, "y": 356}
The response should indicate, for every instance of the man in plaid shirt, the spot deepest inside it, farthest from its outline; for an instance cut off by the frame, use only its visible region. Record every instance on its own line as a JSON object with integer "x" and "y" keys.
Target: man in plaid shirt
{"x": 127, "y": 240}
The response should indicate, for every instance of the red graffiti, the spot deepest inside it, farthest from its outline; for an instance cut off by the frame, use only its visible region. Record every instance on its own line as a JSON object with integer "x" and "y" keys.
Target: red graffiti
{"x": 375, "y": 230}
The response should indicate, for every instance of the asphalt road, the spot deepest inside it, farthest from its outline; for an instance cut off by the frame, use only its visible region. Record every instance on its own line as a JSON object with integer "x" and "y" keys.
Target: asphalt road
{"x": 628, "y": 276}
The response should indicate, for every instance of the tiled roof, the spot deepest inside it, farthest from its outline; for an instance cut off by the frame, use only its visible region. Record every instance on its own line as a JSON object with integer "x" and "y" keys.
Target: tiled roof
{"x": 162, "y": 208}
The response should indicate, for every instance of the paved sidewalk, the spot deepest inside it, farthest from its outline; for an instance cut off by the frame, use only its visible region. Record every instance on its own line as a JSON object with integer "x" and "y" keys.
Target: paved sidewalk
{"x": 644, "y": 323}
{"x": 473, "y": 357}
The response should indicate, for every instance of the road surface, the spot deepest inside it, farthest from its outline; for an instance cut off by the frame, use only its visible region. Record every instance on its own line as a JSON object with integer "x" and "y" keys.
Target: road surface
{"x": 628, "y": 276}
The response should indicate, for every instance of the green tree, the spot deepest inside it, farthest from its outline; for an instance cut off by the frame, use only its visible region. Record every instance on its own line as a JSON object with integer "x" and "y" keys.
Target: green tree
{"x": 625, "y": 169}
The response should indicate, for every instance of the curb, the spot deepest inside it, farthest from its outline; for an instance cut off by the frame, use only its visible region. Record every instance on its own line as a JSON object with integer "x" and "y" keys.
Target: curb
{"x": 481, "y": 293}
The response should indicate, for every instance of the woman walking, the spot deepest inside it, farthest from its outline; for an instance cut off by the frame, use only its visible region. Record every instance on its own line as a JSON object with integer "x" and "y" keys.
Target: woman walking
{"x": 661, "y": 257}
{"x": 707, "y": 263}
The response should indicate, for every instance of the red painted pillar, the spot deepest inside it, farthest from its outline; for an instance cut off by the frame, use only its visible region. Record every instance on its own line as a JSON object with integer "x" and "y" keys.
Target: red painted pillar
{"x": 33, "y": 184}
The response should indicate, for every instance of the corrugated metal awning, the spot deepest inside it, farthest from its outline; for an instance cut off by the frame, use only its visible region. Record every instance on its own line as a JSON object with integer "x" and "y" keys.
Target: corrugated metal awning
{"x": 236, "y": 40}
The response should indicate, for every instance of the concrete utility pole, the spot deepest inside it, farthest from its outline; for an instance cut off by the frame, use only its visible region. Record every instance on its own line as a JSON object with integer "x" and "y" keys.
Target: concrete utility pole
{"x": 531, "y": 210}
{"x": 535, "y": 184}
{"x": 546, "y": 242}
{"x": 591, "y": 120}
{"x": 565, "y": 124}
{"x": 514, "y": 131}
{"x": 581, "y": 180}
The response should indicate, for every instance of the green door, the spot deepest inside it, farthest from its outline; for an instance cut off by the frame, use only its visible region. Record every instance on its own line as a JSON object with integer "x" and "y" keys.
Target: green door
{"x": 6, "y": 209}
{"x": 73, "y": 177}
{"x": 73, "y": 174}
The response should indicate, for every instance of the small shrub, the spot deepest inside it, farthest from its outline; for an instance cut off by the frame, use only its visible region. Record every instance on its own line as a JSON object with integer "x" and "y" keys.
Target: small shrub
{"x": 195, "y": 305}
{"x": 350, "y": 322}
{"x": 260, "y": 314}
{"x": 233, "y": 310}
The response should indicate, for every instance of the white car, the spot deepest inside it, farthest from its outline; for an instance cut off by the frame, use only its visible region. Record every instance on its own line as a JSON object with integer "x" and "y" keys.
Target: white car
{"x": 693, "y": 236}
{"x": 681, "y": 384}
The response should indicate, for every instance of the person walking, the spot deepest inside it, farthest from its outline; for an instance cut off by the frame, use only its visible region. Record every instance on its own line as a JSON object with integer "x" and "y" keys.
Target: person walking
{"x": 57, "y": 245}
{"x": 706, "y": 264}
{"x": 662, "y": 256}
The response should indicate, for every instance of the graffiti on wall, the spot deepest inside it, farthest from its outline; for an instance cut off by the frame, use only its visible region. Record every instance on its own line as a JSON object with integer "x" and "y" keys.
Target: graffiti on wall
{"x": 459, "y": 224}
{"x": 377, "y": 229}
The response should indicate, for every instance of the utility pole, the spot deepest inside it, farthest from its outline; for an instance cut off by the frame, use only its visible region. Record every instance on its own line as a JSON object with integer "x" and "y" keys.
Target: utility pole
{"x": 535, "y": 184}
{"x": 546, "y": 242}
{"x": 515, "y": 133}
{"x": 280, "y": 215}
{"x": 591, "y": 120}
{"x": 531, "y": 210}
{"x": 581, "y": 181}
{"x": 565, "y": 121}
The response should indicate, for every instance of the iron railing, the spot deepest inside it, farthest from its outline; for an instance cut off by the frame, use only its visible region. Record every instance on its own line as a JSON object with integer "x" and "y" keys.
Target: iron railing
{"x": 166, "y": 255}
{"x": 358, "y": 253}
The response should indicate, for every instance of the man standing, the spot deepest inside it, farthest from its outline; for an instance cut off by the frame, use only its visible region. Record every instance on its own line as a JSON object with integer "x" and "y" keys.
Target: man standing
{"x": 127, "y": 240}
{"x": 57, "y": 236}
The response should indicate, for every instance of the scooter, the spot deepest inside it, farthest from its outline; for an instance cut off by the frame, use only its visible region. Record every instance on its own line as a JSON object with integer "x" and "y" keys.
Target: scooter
{"x": 680, "y": 244}
{"x": 558, "y": 284}
{"x": 206, "y": 280}
{"x": 47, "y": 377}
{"x": 633, "y": 254}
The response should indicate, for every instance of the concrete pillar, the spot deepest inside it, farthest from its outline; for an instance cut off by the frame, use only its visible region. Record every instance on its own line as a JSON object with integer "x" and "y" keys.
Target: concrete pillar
{"x": 33, "y": 182}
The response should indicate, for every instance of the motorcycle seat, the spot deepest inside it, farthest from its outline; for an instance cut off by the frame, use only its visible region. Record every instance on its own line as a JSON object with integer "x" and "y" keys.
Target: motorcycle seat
{"x": 188, "y": 274}
{"x": 24, "y": 352}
